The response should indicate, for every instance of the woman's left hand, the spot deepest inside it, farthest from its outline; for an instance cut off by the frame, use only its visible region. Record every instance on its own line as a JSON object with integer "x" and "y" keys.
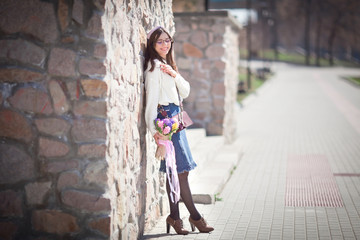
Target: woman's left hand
{"x": 168, "y": 69}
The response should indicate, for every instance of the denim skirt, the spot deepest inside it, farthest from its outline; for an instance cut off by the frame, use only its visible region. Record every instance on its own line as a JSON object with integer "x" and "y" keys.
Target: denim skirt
{"x": 184, "y": 159}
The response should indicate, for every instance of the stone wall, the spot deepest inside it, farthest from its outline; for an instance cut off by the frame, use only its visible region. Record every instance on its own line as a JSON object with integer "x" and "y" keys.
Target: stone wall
{"x": 207, "y": 55}
{"x": 134, "y": 171}
{"x": 75, "y": 160}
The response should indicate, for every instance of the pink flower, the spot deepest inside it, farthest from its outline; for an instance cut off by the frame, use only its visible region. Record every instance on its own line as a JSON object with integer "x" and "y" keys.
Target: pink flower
{"x": 167, "y": 130}
{"x": 160, "y": 124}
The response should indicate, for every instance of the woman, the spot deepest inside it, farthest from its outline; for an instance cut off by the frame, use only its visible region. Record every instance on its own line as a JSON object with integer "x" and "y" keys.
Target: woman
{"x": 163, "y": 83}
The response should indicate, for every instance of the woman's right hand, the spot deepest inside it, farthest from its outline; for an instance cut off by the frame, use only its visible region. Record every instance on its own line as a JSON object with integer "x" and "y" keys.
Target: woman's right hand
{"x": 158, "y": 136}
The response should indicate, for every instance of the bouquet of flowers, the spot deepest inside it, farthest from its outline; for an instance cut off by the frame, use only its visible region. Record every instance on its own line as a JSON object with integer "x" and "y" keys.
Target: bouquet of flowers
{"x": 165, "y": 150}
{"x": 166, "y": 126}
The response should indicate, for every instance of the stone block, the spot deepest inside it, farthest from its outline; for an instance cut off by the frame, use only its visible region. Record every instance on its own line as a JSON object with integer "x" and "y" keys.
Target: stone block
{"x": 88, "y": 130}
{"x": 91, "y": 67}
{"x": 94, "y": 88}
{"x": 27, "y": 17}
{"x": 62, "y": 62}
{"x": 14, "y": 125}
{"x": 10, "y": 204}
{"x": 53, "y": 126}
{"x": 215, "y": 51}
{"x": 18, "y": 75}
{"x": 63, "y": 14}
{"x": 199, "y": 39}
{"x": 8, "y": 230}
{"x": 192, "y": 51}
{"x": 73, "y": 88}
{"x": 94, "y": 29}
{"x": 36, "y": 192}
{"x": 221, "y": 65}
{"x": 218, "y": 28}
{"x": 15, "y": 164}
{"x": 90, "y": 108}
{"x": 86, "y": 201}
{"x": 95, "y": 172}
{"x": 100, "y": 50}
{"x": 92, "y": 150}
{"x": 219, "y": 102}
{"x": 102, "y": 225}
{"x": 31, "y": 100}
{"x": 52, "y": 221}
{"x": 60, "y": 102}
{"x": 78, "y": 11}
{"x": 100, "y": 4}
{"x": 216, "y": 74}
{"x": 51, "y": 148}
{"x": 22, "y": 51}
{"x": 218, "y": 89}
{"x": 59, "y": 166}
{"x": 68, "y": 179}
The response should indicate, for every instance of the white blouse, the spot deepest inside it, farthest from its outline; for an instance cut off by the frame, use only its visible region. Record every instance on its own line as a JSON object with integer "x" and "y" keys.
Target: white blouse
{"x": 161, "y": 89}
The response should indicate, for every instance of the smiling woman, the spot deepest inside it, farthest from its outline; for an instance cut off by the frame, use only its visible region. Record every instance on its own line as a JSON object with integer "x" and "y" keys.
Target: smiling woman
{"x": 165, "y": 89}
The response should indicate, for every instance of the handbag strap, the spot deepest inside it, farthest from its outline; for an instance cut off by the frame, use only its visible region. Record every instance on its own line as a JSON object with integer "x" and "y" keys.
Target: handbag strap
{"x": 181, "y": 105}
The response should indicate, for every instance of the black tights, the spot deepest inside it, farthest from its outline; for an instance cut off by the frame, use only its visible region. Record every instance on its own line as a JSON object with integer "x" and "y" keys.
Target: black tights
{"x": 186, "y": 197}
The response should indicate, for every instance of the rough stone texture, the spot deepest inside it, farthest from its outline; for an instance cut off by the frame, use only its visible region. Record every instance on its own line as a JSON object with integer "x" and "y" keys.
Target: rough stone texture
{"x": 52, "y": 221}
{"x": 92, "y": 150}
{"x": 28, "y": 17}
{"x": 59, "y": 166}
{"x": 8, "y": 230}
{"x": 208, "y": 59}
{"x": 16, "y": 165}
{"x": 50, "y": 148}
{"x": 22, "y": 51}
{"x": 102, "y": 225}
{"x": 31, "y": 100}
{"x": 63, "y": 14}
{"x": 35, "y": 192}
{"x": 95, "y": 173}
{"x": 68, "y": 179}
{"x": 88, "y": 130}
{"x": 62, "y": 62}
{"x": 59, "y": 99}
{"x": 53, "y": 126}
{"x": 90, "y": 108}
{"x": 78, "y": 11}
{"x": 16, "y": 75}
{"x": 14, "y": 125}
{"x": 92, "y": 68}
{"x": 134, "y": 176}
{"x": 86, "y": 201}
{"x": 94, "y": 88}
{"x": 10, "y": 204}
{"x": 76, "y": 160}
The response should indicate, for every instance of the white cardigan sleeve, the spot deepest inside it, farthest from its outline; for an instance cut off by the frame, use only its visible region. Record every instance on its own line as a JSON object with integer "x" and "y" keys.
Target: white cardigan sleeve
{"x": 182, "y": 85}
{"x": 152, "y": 86}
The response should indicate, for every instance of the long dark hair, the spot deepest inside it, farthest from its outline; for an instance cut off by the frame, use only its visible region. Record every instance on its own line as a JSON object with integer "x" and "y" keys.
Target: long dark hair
{"x": 151, "y": 54}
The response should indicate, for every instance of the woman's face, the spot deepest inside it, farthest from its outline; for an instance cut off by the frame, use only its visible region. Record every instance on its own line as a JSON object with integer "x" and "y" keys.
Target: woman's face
{"x": 163, "y": 45}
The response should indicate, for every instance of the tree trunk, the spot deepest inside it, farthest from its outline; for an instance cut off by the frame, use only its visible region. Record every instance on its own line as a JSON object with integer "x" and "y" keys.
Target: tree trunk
{"x": 318, "y": 34}
{"x": 307, "y": 31}
{"x": 274, "y": 29}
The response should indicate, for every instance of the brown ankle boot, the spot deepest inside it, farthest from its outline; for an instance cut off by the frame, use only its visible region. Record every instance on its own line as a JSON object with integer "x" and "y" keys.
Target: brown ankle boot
{"x": 201, "y": 225}
{"x": 177, "y": 225}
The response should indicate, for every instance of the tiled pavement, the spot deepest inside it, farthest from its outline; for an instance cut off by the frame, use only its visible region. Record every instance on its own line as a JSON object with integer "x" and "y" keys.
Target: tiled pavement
{"x": 306, "y": 114}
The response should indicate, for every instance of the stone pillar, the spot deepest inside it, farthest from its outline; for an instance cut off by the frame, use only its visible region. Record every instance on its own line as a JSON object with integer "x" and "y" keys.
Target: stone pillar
{"x": 207, "y": 54}
{"x": 75, "y": 160}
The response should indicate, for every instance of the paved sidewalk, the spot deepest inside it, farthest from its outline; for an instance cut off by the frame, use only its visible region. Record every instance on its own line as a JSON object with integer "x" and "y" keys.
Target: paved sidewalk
{"x": 299, "y": 176}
